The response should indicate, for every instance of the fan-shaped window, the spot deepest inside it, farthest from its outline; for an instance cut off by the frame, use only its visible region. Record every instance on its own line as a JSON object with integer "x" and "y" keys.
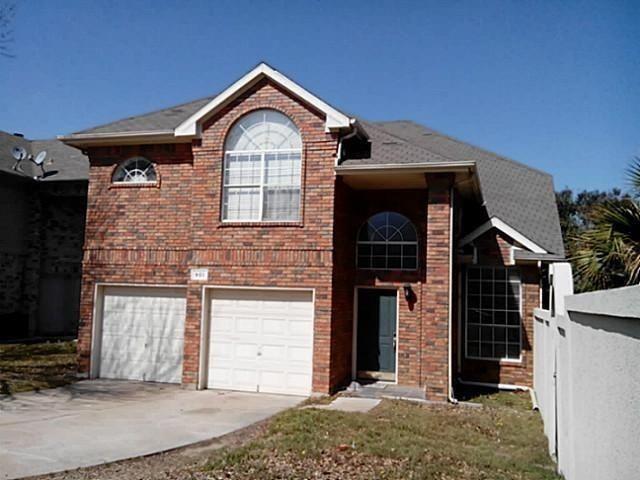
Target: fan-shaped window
{"x": 135, "y": 170}
{"x": 262, "y": 164}
{"x": 388, "y": 241}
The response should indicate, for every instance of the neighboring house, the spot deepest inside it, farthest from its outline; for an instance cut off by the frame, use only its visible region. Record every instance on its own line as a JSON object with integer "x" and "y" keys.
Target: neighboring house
{"x": 263, "y": 240}
{"x": 41, "y": 237}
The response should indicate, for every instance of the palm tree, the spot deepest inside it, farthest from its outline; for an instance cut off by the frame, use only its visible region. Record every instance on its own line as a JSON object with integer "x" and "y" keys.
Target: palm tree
{"x": 608, "y": 255}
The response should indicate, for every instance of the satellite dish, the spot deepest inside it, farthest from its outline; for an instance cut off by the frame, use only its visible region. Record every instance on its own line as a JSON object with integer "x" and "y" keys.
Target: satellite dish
{"x": 39, "y": 160}
{"x": 19, "y": 153}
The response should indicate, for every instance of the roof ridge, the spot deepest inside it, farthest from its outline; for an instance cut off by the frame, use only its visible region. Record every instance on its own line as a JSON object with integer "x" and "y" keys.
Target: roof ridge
{"x": 470, "y": 145}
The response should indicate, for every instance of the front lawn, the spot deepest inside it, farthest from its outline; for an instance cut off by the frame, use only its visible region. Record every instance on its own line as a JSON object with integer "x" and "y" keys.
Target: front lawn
{"x": 25, "y": 367}
{"x": 397, "y": 440}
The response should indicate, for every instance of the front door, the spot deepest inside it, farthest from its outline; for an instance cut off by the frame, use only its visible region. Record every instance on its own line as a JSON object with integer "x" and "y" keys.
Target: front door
{"x": 376, "y": 343}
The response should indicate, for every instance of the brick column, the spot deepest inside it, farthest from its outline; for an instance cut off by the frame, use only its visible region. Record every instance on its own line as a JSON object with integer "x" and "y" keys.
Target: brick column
{"x": 435, "y": 318}
{"x": 191, "y": 360}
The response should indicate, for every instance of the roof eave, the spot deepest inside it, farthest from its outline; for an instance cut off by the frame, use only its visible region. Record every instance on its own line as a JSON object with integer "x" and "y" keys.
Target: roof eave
{"x": 495, "y": 222}
{"x": 334, "y": 119}
{"x": 121, "y": 138}
{"x": 432, "y": 167}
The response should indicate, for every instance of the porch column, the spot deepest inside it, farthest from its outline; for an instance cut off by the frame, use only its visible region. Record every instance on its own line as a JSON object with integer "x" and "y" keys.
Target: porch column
{"x": 435, "y": 318}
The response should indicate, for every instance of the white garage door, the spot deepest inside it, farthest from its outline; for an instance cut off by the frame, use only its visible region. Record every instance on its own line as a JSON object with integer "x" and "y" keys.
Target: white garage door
{"x": 142, "y": 334}
{"x": 261, "y": 341}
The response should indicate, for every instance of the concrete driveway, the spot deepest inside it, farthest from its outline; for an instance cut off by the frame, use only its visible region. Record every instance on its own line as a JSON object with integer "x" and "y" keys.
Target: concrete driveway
{"x": 99, "y": 421}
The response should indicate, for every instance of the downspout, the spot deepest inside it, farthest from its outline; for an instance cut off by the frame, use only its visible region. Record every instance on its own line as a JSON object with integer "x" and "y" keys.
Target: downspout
{"x": 505, "y": 386}
{"x": 450, "y": 395}
{"x": 352, "y": 134}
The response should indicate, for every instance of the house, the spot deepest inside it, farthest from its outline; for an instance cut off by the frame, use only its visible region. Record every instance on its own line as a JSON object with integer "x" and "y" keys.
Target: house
{"x": 41, "y": 237}
{"x": 263, "y": 240}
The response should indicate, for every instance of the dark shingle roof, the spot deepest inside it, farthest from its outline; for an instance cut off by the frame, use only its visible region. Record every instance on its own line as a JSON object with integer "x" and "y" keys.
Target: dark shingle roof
{"x": 520, "y": 196}
{"x": 388, "y": 148}
{"x": 166, "y": 119}
{"x": 68, "y": 162}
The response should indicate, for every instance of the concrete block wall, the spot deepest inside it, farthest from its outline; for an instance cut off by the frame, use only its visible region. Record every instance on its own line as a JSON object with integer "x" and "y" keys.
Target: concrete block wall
{"x": 588, "y": 385}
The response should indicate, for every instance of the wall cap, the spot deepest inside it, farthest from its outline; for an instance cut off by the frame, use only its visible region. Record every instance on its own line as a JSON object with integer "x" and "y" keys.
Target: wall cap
{"x": 616, "y": 302}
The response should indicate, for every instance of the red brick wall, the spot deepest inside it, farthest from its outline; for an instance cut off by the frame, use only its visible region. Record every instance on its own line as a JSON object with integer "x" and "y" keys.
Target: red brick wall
{"x": 154, "y": 235}
{"x": 494, "y": 249}
{"x": 422, "y": 337}
{"x": 435, "y": 326}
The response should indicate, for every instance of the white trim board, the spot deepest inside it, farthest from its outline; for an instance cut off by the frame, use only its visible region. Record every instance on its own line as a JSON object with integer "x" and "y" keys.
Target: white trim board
{"x": 334, "y": 118}
{"x": 495, "y": 222}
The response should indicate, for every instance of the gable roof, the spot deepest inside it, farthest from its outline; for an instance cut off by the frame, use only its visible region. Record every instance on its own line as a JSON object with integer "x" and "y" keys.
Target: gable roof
{"x": 70, "y": 163}
{"x": 182, "y": 122}
{"x": 520, "y": 196}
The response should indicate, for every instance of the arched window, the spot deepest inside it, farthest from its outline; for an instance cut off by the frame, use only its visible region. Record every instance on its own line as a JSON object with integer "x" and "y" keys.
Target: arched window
{"x": 262, "y": 164}
{"x": 388, "y": 241}
{"x": 135, "y": 170}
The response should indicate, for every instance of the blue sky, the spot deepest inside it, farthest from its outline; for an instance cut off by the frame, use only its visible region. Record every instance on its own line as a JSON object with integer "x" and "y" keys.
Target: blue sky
{"x": 555, "y": 85}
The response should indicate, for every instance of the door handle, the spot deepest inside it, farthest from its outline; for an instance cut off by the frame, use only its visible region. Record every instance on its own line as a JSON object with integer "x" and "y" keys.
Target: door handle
{"x": 394, "y": 341}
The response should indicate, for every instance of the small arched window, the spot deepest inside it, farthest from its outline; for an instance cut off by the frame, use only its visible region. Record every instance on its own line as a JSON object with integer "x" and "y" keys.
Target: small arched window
{"x": 388, "y": 241}
{"x": 135, "y": 170}
{"x": 262, "y": 168}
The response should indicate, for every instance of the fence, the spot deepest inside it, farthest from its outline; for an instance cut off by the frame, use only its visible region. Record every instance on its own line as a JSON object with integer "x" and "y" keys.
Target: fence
{"x": 587, "y": 383}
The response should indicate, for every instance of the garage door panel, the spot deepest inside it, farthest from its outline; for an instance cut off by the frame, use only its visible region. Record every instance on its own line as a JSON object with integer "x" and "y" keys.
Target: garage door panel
{"x": 261, "y": 340}
{"x": 221, "y": 350}
{"x": 142, "y": 333}
{"x": 300, "y": 354}
{"x": 246, "y": 324}
{"x": 273, "y": 352}
{"x": 224, "y": 324}
{"x": 274, "y": 326}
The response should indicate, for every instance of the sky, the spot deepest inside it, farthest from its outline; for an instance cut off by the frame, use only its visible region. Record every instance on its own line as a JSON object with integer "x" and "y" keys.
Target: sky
{"x": 555, "y": 85}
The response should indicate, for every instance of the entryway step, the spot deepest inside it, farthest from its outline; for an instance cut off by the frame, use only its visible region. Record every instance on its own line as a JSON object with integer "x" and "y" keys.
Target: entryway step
{"x": 384, "y": 390}
{"x": 350, "y": 404}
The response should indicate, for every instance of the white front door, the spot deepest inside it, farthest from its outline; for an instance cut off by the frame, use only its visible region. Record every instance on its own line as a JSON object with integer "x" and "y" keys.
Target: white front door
{"x": 142, "y": 334}
{"x": 261, "y": 341}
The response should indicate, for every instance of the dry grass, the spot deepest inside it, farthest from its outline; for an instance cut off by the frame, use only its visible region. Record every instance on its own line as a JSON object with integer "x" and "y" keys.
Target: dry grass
{"x": 397, "y": 440}
{"x": 25, "y": 367}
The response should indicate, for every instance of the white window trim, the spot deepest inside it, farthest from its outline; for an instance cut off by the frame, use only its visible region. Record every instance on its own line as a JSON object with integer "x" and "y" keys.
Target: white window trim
{"x": 505, "y": 360}
{"x": 261, "y": 186}
{"x": 387, "y": 242}
{"x": 123, "y": 165}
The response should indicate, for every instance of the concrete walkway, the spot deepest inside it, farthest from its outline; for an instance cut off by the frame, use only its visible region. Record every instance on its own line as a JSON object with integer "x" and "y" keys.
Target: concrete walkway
{"x": 100, "y": 421}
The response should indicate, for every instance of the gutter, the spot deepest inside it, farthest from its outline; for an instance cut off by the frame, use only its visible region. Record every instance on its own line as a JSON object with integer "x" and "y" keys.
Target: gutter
{"x": 120, "y": 138}
{"x": 406, "y": 167}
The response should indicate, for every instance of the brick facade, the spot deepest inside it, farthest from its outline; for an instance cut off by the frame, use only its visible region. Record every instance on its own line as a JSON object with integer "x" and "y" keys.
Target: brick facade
{"x": 494, "y": 248}
{"x": 155, "y": 234}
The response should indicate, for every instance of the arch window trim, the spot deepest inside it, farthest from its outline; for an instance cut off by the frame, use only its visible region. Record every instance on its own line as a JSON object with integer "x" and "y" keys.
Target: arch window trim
{"x": 145, "y": 174}
{"x": 378, "y": 254}
{"x": 270, "y": 173}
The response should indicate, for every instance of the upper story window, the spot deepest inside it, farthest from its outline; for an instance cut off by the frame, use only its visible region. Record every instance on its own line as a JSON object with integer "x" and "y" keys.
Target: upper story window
{"x": 493, "y": 313}
{"x": 262, "y": 169}
{"x": 388, "y": 241}
{"x": 135, "y": 170}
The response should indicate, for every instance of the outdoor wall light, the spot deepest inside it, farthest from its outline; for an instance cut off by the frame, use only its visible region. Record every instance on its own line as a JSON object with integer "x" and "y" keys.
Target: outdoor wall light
{"x": 408, "y": 293}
